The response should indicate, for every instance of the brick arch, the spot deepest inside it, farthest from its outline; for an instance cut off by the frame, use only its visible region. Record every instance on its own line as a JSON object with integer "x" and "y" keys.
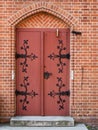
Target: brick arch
{"x": 43, "y": 7}
{"x": 42, "y": 20}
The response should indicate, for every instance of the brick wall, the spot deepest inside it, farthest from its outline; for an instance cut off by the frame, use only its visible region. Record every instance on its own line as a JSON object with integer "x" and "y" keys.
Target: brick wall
{"x": 79, "y": 15}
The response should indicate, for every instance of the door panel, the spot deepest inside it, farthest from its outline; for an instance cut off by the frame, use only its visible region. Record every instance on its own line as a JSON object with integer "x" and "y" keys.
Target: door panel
{"x": 56, "y": 86}
{"x": 42, "y": 72}
{"x": 28, "y": 72}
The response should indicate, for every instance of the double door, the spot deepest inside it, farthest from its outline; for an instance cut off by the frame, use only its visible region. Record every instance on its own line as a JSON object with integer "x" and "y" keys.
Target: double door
{"x": 42, "y": 79}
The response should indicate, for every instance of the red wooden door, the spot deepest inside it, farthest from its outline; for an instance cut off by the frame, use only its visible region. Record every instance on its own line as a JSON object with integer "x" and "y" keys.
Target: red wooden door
{"x": 56, "y": 62}
{"x": 28, "y": 72}
{"x": 42, "y": 72}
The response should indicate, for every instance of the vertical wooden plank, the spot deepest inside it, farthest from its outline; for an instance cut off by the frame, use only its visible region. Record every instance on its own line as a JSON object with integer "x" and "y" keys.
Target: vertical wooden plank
{"x": 42, "y": 73}
{"x": 56, "y": 83}
{"x": 28, "y": 72}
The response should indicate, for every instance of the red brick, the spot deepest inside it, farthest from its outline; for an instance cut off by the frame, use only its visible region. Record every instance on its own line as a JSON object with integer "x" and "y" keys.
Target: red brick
{"x": 80, "y": 15}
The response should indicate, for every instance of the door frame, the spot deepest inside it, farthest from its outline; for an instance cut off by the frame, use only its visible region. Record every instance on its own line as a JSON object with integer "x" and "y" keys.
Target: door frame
{"x": 42, "y": 59}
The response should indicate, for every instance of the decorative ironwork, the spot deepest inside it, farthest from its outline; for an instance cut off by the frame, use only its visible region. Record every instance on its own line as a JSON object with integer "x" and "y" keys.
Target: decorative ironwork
{"x": 60, "y": 93}
{"x": 25, "y": 93}
{"x": 25, "y": 85}
{"x": 60, "y": 56}
{"x": 63, "y": 93}
{"x": 47, "y": 75}
{"x": 25, "y": 56}
{"x": 76, "y": 32}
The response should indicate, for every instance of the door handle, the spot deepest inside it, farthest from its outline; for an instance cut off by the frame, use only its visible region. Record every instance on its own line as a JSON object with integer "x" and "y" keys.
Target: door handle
{"x": 47, "y": 75}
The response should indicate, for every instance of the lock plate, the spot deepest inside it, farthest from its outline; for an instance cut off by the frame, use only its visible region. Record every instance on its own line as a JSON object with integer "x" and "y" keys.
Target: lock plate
{"x": 47, "y": 75}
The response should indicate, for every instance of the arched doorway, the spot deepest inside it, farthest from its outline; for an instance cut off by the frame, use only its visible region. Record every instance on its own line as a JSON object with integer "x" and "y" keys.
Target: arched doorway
{"x": 43, "y": 65}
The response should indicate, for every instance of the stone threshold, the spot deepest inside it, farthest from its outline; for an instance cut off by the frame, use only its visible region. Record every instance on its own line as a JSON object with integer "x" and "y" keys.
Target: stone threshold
{"x": 76, "y": 127}
{"x": 41, "y": 121}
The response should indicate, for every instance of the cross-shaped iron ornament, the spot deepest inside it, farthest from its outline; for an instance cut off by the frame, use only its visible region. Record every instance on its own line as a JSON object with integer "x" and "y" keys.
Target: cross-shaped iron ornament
{"x": 60, "y": 93}
{"x": 32, "y": 56}
{"x": 25, "y": 93}
{"x": 60, "y": 56}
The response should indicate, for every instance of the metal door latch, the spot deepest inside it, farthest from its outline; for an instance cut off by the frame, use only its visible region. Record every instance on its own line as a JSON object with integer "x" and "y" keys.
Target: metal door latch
{"x": 57, "y": 33}
{"x": 47, "y": 75}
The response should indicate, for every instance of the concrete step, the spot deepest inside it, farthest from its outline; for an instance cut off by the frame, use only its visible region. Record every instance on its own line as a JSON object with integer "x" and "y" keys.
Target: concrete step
{"x": 76, "y": 127}
{"x": 36, "y": 121}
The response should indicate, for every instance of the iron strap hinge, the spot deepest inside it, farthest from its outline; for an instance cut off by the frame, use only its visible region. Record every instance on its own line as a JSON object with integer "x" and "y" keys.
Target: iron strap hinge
{"x": 67, "y": 56}
{"x": 20, "y": 55}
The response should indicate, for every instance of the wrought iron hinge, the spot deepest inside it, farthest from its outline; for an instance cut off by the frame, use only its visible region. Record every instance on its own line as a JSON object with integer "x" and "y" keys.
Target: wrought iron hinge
{"x": 67, "y": 93}
{"x": 25, "y": 93}
{"x": 67, "y": 56}
{"x": 63, "y": 93}
{"x": 20, "y": 55}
